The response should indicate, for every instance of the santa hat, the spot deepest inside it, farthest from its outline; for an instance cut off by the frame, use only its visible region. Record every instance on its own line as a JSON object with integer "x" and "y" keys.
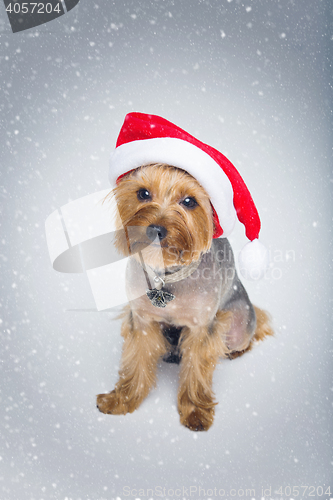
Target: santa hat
{"x": 146, "y": 139}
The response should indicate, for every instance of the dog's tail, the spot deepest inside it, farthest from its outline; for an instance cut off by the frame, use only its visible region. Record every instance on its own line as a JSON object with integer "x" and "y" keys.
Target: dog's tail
{"x": 264, "y": 328}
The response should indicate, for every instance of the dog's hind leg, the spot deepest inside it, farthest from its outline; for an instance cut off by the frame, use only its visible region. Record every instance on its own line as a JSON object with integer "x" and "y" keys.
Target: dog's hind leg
{"x": 243, "y": 323}
{"x": 143, "y": 345}
{"x": 243, "y": 326}
{"x": 249, "y": 324}
{"x": 263, "y": 329}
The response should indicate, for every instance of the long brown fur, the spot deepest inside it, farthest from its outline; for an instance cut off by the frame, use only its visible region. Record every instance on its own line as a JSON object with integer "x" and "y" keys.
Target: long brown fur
{"x": 143, "y": 345}
{"x": 202, "y": 342}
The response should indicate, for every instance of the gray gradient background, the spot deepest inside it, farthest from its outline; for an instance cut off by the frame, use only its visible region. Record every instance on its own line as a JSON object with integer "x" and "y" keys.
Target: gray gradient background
{"x": 252, "y": 83}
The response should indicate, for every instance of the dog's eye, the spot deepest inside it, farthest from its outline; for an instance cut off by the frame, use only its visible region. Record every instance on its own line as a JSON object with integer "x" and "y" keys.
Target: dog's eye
{"x": 189, "y": 202}
{"x": 143, "y": 194}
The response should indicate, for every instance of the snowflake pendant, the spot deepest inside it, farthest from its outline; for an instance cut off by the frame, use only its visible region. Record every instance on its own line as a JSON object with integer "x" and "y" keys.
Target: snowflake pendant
{"x": 159, "y": 298}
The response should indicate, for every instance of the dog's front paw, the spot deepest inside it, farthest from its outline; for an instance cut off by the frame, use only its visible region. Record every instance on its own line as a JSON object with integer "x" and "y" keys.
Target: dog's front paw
{"x": 199, "y": 419}
{"x": 114, "y": 403}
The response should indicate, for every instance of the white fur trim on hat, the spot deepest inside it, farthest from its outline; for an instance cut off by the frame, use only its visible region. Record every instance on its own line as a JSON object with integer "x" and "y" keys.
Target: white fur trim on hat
{"x": 188, "y": 157}
{"x": 253, "y": 260}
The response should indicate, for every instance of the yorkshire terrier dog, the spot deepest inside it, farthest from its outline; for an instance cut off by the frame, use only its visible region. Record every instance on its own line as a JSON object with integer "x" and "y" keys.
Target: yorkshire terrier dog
{"x": 186, "y": 302}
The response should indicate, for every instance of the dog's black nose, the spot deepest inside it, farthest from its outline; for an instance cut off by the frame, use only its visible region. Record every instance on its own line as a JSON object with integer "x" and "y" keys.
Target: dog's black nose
{"x": 153, "y": 231}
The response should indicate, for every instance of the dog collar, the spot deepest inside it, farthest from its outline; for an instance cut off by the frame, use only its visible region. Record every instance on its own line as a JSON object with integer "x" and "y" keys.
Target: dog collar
{"x": 157, "y": 296}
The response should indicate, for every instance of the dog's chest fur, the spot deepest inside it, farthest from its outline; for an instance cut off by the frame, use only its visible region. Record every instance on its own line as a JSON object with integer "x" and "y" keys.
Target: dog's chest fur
{"x": 197, "y": 297}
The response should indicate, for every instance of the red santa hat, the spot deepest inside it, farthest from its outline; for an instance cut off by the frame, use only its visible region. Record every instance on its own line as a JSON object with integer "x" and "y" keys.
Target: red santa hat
{"x": 146, "y": 139}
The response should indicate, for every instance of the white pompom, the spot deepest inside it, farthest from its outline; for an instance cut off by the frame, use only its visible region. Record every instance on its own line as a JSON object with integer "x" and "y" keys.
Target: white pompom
{"x": 253, "y": 260}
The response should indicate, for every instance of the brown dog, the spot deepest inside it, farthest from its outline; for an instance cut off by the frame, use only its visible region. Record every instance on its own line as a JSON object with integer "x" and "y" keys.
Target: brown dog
{"x": 192, "y": 308}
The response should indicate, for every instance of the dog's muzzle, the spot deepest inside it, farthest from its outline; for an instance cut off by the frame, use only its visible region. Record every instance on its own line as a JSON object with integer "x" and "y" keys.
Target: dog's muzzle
{"x": 153, "y": 231}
